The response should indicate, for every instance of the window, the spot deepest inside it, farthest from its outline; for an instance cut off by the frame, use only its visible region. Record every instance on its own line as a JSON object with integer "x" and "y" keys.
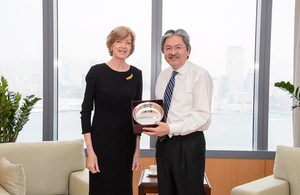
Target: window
{"x": 21, "y": 57}
{"x": 223, "y": 42}
{"x": 83, "y": 27}
{"x": 281, "y": 69}
{"x": 222, "y": 37}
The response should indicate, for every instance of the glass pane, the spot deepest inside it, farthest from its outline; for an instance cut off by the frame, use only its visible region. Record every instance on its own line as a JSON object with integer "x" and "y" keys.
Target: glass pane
{"x": 82, "y": 43}
{"x": 281, "y": 69}
{"x": 222, "y": 36}
{"x": 21, "y": 57}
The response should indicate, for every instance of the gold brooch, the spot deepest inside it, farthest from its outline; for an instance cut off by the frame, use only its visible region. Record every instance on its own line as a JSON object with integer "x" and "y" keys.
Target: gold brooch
{"x": 130, "y": 77}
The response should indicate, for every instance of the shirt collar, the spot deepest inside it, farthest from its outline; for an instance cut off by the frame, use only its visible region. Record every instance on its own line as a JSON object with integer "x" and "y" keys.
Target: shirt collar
{"x": 182, "y": 70}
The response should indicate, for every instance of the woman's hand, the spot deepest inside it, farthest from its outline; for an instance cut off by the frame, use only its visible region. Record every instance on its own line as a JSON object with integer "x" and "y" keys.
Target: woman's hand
{"x": 92, "y": 163}
{"x": 136, "y": 161}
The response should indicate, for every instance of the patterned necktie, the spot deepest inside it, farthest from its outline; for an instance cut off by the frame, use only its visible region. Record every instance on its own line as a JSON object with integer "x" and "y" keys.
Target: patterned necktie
{"x": 168, "y": 96}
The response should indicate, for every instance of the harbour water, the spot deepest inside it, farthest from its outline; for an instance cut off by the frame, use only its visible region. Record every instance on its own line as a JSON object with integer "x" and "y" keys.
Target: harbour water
{"x": 228, "y": 131}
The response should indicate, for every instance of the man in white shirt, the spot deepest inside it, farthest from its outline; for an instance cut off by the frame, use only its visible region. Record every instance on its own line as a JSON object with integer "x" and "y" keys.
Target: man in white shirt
{"x": 180, "y": 149}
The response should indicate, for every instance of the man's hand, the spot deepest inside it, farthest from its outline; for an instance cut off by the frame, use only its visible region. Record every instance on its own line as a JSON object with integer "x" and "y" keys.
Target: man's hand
{"x": 161, "y": 129}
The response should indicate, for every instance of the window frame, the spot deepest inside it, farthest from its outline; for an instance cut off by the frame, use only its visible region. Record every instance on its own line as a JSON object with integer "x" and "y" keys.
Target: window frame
{"x": 50, "y": 70}
{"x": 261, "y": 78}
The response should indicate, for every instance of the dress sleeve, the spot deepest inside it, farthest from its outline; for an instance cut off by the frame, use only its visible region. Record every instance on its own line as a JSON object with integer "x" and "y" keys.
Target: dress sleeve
{"x": 88, "y": 101}
{"x": 140, "y": 87}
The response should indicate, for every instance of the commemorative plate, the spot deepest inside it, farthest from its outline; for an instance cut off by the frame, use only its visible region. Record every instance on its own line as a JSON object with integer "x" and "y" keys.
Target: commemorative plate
{"x": 147, "y": 113}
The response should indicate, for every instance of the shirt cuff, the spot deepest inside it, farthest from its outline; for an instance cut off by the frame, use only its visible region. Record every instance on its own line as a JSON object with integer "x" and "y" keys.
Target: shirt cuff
{"x": 174, "y": 129}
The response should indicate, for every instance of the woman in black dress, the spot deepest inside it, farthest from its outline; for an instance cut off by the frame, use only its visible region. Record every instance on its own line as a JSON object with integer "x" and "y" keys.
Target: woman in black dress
{"x": 113, "y": 149}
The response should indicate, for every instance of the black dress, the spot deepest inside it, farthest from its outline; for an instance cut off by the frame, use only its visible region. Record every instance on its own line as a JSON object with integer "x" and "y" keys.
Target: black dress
{"x": 111, "y": 93}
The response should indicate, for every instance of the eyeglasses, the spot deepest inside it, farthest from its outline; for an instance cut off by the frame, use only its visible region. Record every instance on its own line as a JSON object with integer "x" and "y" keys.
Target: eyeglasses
{"x": 176, "y": 48}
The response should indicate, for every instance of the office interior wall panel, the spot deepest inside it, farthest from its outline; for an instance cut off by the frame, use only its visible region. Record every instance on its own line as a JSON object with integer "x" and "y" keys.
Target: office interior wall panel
{"x": 225, "y": 174}
{"x": 269, "y": 166}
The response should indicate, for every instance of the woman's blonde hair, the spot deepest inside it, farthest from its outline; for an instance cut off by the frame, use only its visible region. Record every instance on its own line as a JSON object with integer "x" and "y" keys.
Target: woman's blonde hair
{"x": 120, "y": 33}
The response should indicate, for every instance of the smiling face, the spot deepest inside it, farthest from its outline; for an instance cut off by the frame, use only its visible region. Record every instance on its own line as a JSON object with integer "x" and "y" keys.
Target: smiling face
{"x": 175, "y": 51}
{"x": 121, "y": 48}
{"x": 118, "y": 36}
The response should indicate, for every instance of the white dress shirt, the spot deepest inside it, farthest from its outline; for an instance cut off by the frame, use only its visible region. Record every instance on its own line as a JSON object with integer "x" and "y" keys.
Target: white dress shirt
{"x": 190, "y": 108}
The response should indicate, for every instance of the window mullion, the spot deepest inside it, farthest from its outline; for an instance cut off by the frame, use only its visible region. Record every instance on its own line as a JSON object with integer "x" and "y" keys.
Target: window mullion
{"x": 261, "y": 75}
{"x": 155, "y": 50}
{"x": 50, "y": 70}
